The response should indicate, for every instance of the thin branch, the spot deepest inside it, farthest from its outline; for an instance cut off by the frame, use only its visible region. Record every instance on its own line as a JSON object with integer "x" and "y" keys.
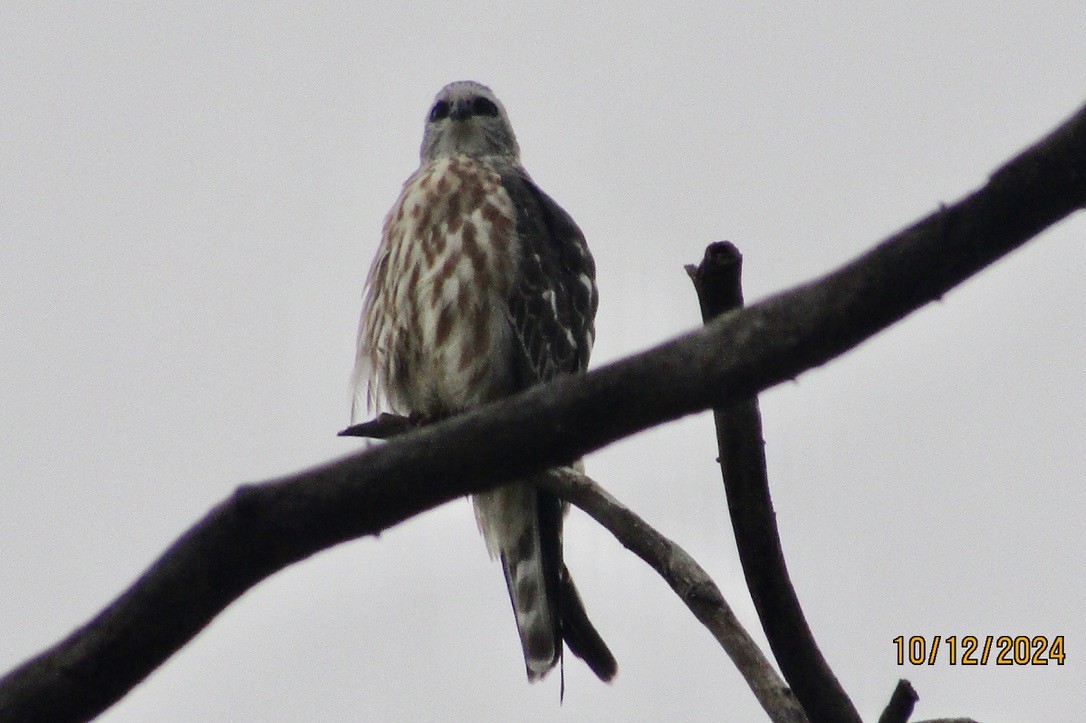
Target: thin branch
{"x": 902, "y": 702}
{"x": 689, "y": 581}
{"x": 686, "y": 577}
{"x": 263, "y": 528}
{"x": 718, "y": 282}
{"x": 384, "y": 426}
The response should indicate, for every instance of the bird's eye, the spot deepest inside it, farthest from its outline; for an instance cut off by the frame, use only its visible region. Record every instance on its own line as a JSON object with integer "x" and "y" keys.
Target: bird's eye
{"x": 484, "y": 106}
{"x": 440, "y": 110}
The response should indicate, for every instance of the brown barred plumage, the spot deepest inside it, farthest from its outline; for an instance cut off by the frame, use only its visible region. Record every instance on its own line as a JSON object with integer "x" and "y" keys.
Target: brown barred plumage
{"x": 483, "y": 286}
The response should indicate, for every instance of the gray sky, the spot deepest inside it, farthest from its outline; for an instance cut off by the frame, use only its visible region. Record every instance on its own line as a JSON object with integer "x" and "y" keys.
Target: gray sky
{"x": 191, "y": 198}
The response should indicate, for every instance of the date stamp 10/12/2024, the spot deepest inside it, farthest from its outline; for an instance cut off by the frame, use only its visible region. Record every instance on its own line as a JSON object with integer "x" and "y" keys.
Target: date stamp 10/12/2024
{"x": 980, "y": 650}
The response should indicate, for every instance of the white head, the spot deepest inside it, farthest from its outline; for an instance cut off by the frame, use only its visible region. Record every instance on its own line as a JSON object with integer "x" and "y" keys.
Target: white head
{"x": 466, "y": 117}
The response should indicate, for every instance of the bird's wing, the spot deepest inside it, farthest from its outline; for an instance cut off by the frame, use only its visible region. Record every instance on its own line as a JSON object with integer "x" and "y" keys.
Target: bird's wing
{"x": 552, "y": 303}
{"x": 551, "y": 307}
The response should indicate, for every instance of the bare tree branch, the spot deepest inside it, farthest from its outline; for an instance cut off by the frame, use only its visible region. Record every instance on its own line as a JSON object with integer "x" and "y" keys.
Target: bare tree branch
{"x": 385, "y": 426}
{"x": 718, "y": 282}
{"x": 265, "y": 527}
{"x": 689, "y": 581}
{"x": 902, "y": 702}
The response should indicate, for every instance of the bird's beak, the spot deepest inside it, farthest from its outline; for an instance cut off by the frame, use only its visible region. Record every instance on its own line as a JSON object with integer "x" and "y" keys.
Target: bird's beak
{"x": 460, "y": 110}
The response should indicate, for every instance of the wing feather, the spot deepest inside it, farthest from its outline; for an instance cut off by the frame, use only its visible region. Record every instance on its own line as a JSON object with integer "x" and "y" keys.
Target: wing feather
{"x": 552, "y": 304}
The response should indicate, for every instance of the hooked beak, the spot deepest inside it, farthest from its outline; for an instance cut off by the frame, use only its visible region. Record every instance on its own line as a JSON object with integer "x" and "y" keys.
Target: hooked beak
{"x": 460, "y": 110}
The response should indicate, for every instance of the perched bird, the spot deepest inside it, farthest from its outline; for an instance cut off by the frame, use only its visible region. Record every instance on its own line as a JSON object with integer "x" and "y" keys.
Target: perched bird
{"x": 483, "y": 286}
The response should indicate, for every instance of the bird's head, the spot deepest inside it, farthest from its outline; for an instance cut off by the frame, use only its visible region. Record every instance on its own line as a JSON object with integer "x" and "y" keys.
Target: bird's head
{"x": 466, "y": 117}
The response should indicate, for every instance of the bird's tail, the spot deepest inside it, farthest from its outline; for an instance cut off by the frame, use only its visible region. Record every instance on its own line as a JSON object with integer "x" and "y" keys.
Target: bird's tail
{"x": 579, "y": 633}
{"x": 523, "y": 526}
{"x": 535, "y": 611}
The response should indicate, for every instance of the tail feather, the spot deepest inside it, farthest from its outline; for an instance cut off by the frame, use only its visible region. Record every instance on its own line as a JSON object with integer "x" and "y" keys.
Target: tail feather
{"x": 522, "y": 526}
{"x": 534, "y": 612}
{"x": 580, "y": 635}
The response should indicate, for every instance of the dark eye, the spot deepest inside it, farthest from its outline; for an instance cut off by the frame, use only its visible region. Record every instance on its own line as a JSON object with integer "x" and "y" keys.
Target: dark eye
{"x": 484, "y": 106}
{"x": 440, "y": 110}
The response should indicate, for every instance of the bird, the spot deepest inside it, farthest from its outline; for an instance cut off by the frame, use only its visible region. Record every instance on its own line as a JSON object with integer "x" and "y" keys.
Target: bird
{"x": 483, "y": 286}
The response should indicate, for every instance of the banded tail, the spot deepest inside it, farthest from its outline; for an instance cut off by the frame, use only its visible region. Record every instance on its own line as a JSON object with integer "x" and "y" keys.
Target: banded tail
{"x": 522, "y": 526}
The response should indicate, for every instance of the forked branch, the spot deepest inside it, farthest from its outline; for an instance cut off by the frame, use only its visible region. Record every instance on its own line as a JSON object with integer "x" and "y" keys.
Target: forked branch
{"x": 718, "y": 282}
{"x": 689, "y": 581}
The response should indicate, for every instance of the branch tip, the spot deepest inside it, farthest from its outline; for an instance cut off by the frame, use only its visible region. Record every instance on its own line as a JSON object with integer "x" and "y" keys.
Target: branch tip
{"x": 902, "y": 702}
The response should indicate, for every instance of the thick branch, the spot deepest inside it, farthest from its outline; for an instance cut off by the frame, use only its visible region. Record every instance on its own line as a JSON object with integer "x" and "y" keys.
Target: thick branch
{"x": 263, "y": 528}
{"x": 689, "y": 581}
{"x": 717, "y": 281}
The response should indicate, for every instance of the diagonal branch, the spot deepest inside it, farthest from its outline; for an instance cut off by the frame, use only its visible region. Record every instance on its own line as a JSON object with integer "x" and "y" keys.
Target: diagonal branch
{"x": 689, "y": 581}
{"x": 264, "y": 527}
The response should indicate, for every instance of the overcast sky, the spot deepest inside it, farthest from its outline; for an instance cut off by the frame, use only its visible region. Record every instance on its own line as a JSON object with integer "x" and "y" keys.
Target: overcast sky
{"x": 190, "y": 198}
